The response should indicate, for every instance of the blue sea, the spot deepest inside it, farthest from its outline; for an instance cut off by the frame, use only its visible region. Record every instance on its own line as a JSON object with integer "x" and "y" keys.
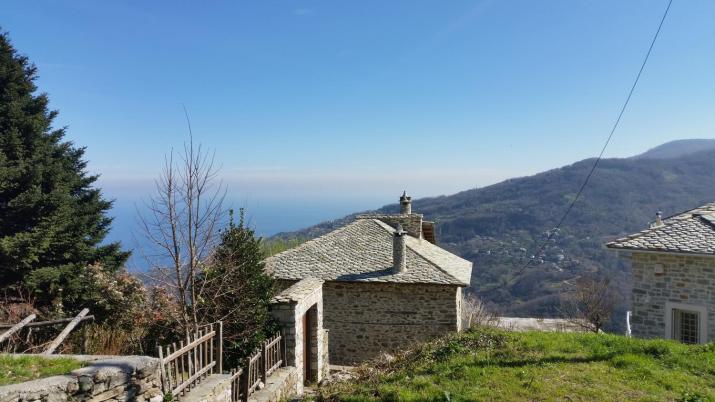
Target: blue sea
{"x": 267, "y": 216}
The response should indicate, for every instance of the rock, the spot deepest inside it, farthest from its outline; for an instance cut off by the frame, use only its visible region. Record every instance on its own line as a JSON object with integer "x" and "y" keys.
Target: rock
{"x": 158, "y": 398}
{"x": 85, "y": 383}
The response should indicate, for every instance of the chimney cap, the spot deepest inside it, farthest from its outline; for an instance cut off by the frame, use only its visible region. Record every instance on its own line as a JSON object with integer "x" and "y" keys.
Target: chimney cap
{"x": 399, "y": 231}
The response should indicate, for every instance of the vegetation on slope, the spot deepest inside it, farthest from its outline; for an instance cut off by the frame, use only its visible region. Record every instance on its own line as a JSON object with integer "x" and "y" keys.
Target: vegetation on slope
{"x": 17, "y": 368}
{"x": 490, "y": 364}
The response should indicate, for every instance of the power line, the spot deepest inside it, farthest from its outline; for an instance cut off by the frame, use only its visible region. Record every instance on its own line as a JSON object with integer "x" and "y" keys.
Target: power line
{"x": 598, "y": 159}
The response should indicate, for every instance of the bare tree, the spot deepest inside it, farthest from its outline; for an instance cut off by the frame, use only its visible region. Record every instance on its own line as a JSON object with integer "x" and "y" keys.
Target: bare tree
{"x": 475, "y": 313}
{"x": 182, "y": 222}
{"x": 590, "y": 303}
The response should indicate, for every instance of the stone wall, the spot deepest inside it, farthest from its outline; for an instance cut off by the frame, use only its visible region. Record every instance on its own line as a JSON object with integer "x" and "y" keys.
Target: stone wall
{"x": 120, "y": 378}
{"x": 670, "y": 278}
{"x": 215, "y": 388}
{"x": 325, "y": 356}
{"x": 366, "y": 318}
{"x": 281, "y": 386}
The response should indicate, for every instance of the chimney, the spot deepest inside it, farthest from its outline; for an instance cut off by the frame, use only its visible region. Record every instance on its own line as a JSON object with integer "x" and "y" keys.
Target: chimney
{"x": 405, "y": 204}
{"x": 658, "y": 220}
{"x": 399, "y": 250}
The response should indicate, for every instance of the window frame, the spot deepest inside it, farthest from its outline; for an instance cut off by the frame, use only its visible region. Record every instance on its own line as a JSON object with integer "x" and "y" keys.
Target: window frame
{"x": 695, "y": 308}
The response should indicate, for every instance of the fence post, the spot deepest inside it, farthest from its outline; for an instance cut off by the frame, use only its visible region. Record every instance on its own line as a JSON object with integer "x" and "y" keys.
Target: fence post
{"x": 245, "y": 380}
{"x": 65, "y": 332}
{"x": 283, "y": 348}
{"x": 17, "y": 327}
{"x": 162, "y": 374}
{"x": 220, "y": 347}
{"x": 264, "y": 367}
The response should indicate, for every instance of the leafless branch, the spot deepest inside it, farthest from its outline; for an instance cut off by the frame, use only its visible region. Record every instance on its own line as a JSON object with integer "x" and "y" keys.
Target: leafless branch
{"x": 181, "y": 221}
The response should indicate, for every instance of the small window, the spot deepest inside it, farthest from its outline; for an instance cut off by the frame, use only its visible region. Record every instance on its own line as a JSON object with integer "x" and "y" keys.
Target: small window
{"x": 686, "y": 326}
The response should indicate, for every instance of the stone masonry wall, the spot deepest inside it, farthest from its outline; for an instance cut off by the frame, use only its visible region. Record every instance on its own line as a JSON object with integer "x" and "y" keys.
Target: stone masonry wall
{"x": 685, "y": 279}
{"x": 281, "y": 386}
{"x": 120, "y": 378}
{"x": 325, "y": 354}
{"x": 366, "y": 318}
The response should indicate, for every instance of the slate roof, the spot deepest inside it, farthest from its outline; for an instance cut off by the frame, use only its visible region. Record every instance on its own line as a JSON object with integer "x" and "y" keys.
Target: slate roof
{"x": 362, "y": 252}
{"x": 691, "y": 232}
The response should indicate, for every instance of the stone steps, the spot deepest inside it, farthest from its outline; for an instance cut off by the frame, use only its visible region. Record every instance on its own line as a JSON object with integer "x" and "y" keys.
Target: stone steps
{"x": 215, "y": 388}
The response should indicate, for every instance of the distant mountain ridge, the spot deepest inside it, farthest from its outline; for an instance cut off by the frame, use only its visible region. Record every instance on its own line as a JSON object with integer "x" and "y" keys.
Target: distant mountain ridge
{"x": 499, "y": 227}
{"x": 678, "y": 148}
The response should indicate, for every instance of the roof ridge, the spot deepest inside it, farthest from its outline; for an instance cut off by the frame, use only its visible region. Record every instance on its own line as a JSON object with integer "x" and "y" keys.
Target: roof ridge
{"x": 381, "y": 224}
{"x": 390, "y": 230}
{"x": 691, "y": 211}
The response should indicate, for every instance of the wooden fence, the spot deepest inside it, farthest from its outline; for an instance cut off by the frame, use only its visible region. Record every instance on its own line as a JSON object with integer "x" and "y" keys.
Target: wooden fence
{"x": 254, "y": 373}
{"x": 184, "y": 365}
{"x": 50, "y": 347}
{"x": 273, "y": 354}
{"x": 267, "y": 359}
{"x": 236, "y": 376}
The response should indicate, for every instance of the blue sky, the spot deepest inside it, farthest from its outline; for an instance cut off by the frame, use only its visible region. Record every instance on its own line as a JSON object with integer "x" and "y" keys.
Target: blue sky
{"x": 317, "y": 109}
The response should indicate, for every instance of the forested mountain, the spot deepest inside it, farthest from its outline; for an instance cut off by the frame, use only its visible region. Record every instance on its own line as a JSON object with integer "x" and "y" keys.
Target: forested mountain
{"x": 501, "y": 226}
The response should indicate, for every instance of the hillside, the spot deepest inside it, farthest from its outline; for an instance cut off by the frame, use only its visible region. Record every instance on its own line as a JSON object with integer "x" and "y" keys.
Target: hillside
{"x": 499, "y": 227}
{"x": 494, "y": 365}
{"x": 678, "y": 148}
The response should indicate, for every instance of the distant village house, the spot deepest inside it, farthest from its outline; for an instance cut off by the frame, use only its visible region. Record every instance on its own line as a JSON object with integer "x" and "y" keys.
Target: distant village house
{"x": 387, "y": 284}
{"x": 673, "y": 268}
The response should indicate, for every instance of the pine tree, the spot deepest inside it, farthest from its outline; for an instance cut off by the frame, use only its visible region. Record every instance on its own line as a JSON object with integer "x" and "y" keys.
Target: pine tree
{"x": 52, "y": 219}
{"x": 237, "y": 291}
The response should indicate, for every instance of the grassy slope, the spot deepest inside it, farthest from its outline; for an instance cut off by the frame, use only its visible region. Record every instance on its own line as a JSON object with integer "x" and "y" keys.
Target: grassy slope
{"x": 16, "y": 369}
{"x": 497, "y": 365}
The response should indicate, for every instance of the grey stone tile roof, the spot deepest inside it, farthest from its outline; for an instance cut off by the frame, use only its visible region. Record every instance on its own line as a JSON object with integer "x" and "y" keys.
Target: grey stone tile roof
{"x": 299, "y": 290}
{"x": 691, "y": 232}
{"x": 362, "y": 252}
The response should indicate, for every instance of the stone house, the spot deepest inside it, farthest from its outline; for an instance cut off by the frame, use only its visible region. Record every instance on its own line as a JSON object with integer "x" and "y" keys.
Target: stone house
{"x": 673, "y": 268}
{"x": 387, "y": 284}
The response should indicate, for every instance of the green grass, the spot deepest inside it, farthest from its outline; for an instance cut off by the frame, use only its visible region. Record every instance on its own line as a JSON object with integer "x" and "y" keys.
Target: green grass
{"x": 18, "y": 368}
{"x": 493, "y": 365}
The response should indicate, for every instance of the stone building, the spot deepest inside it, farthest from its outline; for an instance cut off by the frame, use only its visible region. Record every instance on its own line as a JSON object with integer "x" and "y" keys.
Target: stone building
{"x": 673, "y": 268}
{"x": 387, "y": 284}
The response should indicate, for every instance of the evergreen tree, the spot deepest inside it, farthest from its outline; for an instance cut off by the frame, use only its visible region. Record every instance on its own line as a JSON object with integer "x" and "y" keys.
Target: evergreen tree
{"x": 52, "y": 219}
{"x": 237, "y": 291}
